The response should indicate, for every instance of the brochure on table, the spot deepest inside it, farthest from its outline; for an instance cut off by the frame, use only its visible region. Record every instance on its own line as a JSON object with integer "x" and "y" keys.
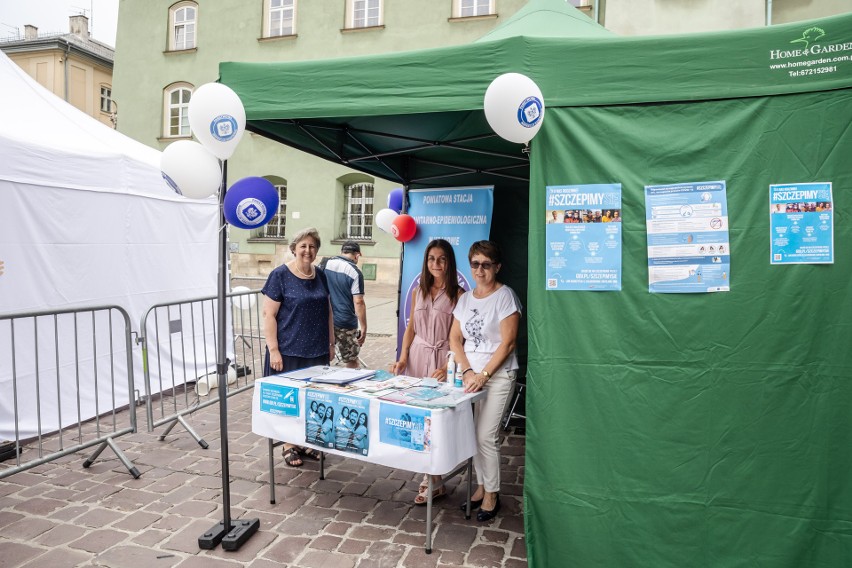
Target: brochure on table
{"x": 361, "y": 425}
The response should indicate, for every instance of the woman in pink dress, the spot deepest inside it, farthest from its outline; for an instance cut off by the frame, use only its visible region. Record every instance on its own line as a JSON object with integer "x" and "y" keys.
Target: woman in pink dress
{"x": 426, "y": 341}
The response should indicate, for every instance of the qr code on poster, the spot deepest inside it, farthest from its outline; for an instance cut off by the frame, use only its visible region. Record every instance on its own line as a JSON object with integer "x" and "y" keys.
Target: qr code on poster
{"x": 551, "y": 282}
{"x": 776, "y": 256}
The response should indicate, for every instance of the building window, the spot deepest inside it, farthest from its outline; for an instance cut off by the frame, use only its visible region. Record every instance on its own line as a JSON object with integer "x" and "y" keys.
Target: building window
{"x": 176, "y": 102}
{"x": 106, "y": 99}
{"x": 183, "y": 17}
{"x": 280, "y": 18}
{"x": 363, "y": 13}
{"x": 359, "y": 211}
{"x": 471, "y": 8}
{"x": 275, "y": 227}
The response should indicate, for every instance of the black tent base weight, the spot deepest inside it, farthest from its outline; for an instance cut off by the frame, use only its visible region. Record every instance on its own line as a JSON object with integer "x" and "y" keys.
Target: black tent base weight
{"x": 231, "y": 540}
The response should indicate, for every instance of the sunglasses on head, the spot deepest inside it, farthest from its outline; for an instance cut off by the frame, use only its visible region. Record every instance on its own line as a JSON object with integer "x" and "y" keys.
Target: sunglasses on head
{"x": 485, "y": 265}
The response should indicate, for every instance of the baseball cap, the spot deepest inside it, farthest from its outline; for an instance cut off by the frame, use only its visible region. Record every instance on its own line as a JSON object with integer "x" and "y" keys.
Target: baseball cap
{"x": 350, "y": 246}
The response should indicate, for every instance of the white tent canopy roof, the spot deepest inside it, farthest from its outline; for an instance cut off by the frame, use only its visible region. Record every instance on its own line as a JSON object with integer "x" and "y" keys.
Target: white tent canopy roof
{"x": 38, "y": 129}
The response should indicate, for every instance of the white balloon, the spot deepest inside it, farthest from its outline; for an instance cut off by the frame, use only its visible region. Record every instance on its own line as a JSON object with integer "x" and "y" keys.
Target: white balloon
{"x": 514, "y": 107}
{"x": 217, "y": 118}
{"x": 243, "y": 302}
{"x": 190, "y": 170}
{"x": 384, "y": 219}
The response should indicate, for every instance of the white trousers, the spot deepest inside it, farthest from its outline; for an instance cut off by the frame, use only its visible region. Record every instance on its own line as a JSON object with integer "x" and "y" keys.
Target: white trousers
{"x": 486, "y": 461}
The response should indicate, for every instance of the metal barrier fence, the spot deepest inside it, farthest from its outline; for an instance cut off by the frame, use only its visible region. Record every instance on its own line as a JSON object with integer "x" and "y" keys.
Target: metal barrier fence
{"x": 179, "y": 357}
{"x": 65, "y": 376}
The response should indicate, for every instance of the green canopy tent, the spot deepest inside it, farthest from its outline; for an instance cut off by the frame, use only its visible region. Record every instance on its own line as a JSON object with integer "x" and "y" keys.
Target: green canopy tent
{"x": 663, "y": 429}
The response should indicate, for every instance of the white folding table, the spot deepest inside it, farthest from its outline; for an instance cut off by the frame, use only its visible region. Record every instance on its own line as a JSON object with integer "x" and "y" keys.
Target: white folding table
{"x": 453, "y": 441}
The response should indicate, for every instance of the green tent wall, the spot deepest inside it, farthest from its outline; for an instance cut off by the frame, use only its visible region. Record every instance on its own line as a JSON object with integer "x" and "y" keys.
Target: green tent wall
{"x": 662, "y": 430}
{"x": 700, "y": 429}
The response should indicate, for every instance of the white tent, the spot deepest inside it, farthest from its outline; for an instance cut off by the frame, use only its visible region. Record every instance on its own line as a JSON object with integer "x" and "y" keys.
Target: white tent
{"x": 85, "y": 220}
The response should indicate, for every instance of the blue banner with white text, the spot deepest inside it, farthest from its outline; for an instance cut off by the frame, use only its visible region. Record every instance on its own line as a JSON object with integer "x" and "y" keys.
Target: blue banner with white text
{"x": 460, "y": 216}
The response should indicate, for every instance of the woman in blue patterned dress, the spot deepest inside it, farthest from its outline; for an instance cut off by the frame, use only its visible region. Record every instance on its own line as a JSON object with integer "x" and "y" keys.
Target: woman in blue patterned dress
{"x": 297, "y": 318}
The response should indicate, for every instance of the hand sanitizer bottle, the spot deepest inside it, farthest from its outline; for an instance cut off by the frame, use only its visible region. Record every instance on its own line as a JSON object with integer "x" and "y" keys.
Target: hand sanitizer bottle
{"x": 451, "y": 368}
{"x": 458, "y": 382}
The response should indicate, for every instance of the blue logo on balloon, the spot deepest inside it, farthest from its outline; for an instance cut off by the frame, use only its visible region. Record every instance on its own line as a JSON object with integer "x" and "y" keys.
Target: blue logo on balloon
{"x": 223, "y": 127}
{"x": 251, "y": 211}
{"x": 172, "y": 183}
{"x": 529, "y": 113}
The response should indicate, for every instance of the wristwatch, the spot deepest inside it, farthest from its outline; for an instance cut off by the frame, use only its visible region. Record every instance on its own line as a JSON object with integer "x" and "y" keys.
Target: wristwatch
{"x": 486, "y": 374}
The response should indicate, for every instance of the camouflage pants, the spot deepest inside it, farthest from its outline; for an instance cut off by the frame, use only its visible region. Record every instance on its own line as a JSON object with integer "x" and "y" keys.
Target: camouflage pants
{"x": 347, "y": 344}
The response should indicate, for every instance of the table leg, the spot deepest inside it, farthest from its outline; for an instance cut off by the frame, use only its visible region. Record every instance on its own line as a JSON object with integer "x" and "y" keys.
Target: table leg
{"x": 322, "y": 465}
{"x": 271, "y": 471}
{"x": 429, "y": 517}
{"x": 469, "y": 487}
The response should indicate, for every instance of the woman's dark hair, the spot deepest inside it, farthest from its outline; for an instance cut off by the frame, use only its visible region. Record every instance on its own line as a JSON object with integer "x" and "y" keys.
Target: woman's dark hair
{"x": 364, "y": 416}
{"x": 486, "y": 248}
{"x": 451, "y": 284}
{"x": 328, "y": 409}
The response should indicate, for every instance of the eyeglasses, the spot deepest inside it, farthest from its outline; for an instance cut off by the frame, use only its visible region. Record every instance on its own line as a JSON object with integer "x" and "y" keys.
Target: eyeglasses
{"x": 485, "y": 265}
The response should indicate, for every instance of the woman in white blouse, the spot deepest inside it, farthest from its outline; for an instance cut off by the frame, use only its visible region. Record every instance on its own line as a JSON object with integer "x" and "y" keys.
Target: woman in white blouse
{"x": 483, "y": 335}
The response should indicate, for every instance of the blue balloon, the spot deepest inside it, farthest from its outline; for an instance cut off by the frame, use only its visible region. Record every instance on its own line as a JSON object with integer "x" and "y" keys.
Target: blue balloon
{"x": 251, "y": 203}
{"x": 395, "y": 200}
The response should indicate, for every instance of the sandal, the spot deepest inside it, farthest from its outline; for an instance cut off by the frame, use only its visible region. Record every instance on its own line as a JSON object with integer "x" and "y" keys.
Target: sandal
{"x": 291, "y": 457}
{"x": 310, "y": 453}
{"x": 422, "y": 497}
{"x": 424, "y": 485}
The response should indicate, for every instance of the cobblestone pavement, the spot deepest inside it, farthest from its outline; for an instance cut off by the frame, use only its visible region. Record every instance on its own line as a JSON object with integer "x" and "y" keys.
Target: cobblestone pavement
{"x": 61, "y": 515}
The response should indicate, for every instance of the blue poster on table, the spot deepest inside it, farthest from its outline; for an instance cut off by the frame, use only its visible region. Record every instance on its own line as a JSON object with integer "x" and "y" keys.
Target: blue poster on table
{"x": 460, "y": 216}
{"x": 688, "y": 245}
{"x": 279, "y": 399}
{"x": 319, "y": 418}
{"x": 583, "y": 237}
{"x": 406, "y": 427}
{"x": 801, "y": 220}
{"x": 352, "y": 432}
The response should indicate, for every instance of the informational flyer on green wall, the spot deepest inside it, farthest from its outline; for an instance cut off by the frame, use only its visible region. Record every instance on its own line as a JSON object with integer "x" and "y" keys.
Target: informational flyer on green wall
{"x": 688, "y": 245}
{"x": 801, "y": 217}
{"x": 583, "y": 237}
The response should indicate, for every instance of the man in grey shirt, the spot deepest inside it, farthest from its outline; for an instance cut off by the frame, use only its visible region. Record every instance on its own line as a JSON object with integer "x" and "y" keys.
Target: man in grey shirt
{"x": 346, "y": 285}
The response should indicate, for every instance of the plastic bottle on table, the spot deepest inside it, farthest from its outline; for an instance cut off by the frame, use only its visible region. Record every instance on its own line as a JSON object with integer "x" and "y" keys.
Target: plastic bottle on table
{"x": 451, "y": 368}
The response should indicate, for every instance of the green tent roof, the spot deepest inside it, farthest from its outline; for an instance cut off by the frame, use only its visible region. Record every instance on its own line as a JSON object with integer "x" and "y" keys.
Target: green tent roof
{"x": 416, "y": 117}
{"x": 547, "y": 18}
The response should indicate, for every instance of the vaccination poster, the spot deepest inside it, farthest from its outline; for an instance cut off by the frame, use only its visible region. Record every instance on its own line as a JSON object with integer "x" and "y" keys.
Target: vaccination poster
{"x": 801, "y": 220}
{"x": 688, "y": 245}
{"x": 583, "y": 237}
{"x": 352, "y": 430}
{"x": 319, "y": 418}
{"x": 279, "y": 399}
{"x": 406, "y": 427}
{"x": 460, "y": 216}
